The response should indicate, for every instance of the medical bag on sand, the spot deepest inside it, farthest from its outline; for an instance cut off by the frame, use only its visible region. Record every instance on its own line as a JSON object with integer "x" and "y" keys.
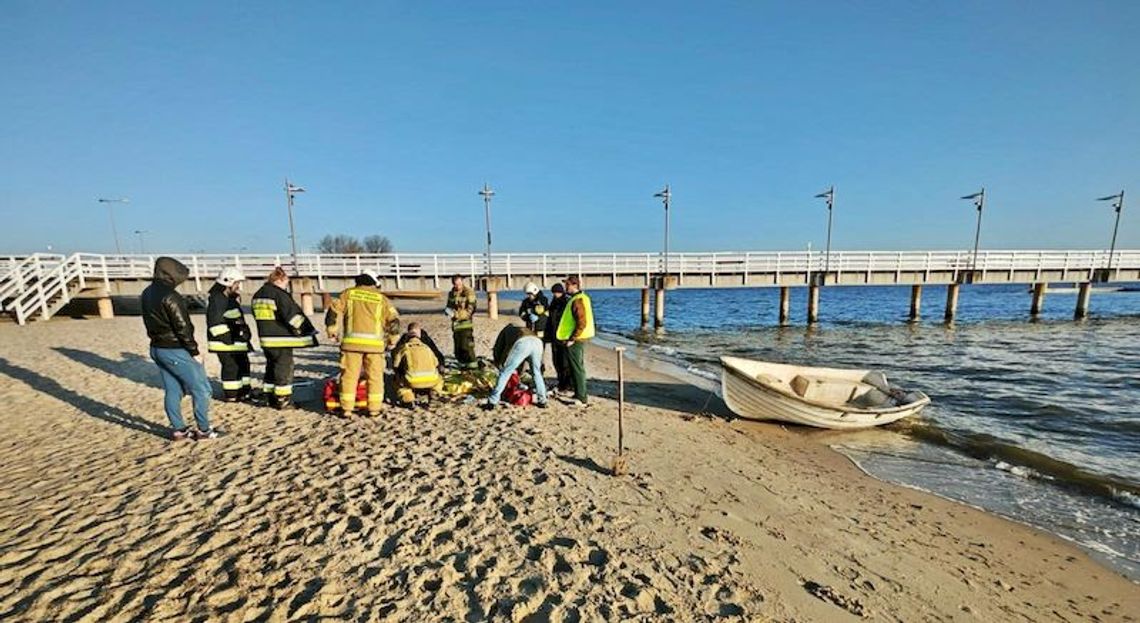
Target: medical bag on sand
{"x": 332, "y": 395}
{"x": 515, "y": 393}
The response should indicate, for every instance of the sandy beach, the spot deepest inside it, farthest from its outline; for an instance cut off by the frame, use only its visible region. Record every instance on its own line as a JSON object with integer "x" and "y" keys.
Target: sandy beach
{"x": 464, "y": 515}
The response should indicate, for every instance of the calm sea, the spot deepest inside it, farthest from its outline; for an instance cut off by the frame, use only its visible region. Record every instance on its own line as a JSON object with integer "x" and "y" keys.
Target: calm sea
{"x": 1038, "y": 420}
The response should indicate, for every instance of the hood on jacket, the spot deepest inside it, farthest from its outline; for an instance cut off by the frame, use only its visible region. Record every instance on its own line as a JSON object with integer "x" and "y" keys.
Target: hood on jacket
{"x": 170, "y": 271}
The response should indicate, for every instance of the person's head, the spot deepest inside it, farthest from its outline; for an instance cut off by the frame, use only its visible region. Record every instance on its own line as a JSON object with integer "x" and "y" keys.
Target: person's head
{"x": 365, "y": 279}
{"x": 414, "y": 329}
{"x": 573, "y": 284}
{"x": 230, "y": 278}
{"x": 457, "y": 281}
{"x": 531, "y": 289}
{"x": 279, "y": 277}
{"x": 558, "y": 290}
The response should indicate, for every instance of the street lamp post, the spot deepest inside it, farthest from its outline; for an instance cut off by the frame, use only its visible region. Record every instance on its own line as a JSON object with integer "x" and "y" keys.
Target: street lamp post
{"x": 1118, "y": 205}
{"x": 142, "y": 242}
{"x": 980, "y": 203}
{"x": 290, "y": 192}
{"x": 487, "y": 193}
{"x": 111, "y": 212}
{"x": 829, "y": 196}
{"x": 666, "y": 196}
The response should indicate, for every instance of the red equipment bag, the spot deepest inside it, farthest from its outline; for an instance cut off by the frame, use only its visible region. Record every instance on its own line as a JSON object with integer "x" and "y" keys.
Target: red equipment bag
{"x": 332, "y": 395}
{"x": 514, "y": 394}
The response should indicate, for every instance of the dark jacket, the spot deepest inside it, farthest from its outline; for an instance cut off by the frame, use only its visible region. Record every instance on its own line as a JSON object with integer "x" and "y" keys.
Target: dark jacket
{"x": 164, "y": 311}
{"x": 280, "y": 321}
{"x": 538, "y": 306}
{"x": 225, "y": 324}
{"x": 557, "y": 307}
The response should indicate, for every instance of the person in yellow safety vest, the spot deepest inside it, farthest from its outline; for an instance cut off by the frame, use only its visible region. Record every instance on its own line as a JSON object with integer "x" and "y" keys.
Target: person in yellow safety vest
{"x": 371, "y": 325}
{"x": 417, "y": 368}
{"x": 281, "y": 327}
{"x": 229, "y": 335}
{"x": 461, "y": 309}
{"x": 574, "y": 328}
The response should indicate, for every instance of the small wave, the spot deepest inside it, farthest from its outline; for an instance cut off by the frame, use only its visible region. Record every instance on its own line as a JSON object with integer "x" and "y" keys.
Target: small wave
{"x": 713, "y": 376}
{"x": 1025, "y": 463}
{"x": 664, "y": 350}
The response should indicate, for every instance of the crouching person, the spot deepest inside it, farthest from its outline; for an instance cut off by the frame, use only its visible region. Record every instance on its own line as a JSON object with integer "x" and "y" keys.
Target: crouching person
{"x": 173, "y": 348}
{"x": 526, "y": 347}
{"x": 368, "y": 320}
{"x": 416, "y": 366}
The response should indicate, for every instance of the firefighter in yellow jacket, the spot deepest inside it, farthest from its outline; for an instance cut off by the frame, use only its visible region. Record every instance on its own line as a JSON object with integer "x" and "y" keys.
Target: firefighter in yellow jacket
{"x": 370, "y": 325}
{"x": 416, "y": 367}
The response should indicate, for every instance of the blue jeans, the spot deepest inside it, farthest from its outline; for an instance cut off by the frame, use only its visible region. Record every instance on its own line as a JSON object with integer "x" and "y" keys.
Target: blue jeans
{"x": 182, "y": 375}
{"x": 527, "y": 348}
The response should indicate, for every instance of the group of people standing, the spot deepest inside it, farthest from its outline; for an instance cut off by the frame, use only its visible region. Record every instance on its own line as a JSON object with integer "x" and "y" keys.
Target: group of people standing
{"x": 367, "y": 327}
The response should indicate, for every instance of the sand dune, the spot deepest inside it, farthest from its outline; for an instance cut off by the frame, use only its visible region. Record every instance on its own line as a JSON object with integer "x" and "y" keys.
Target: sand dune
{"x": 463, "y": 515}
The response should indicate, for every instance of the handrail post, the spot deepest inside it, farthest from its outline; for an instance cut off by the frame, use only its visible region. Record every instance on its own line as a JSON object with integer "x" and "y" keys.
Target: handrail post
{"x": 197, "y": 275}
{"x": 320, "y": 274}
{"x": 396, "y": 263}
{"x": 435, "y": 270}
{"x": 106, "y": 277}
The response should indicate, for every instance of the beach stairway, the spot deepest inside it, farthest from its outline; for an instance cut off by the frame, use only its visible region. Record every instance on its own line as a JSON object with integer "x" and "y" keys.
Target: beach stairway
{"x": 38, "y": 286}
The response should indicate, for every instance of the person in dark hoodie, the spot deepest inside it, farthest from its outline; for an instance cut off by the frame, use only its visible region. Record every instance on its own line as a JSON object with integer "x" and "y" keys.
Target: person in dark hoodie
{"x": 173, "y": 348}
{"x": 558, "y": 351}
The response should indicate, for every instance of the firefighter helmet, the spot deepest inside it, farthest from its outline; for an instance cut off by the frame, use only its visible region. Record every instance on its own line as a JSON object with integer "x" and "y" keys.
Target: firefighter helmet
{"x": 531, "y": 288}
{"x": 229, "y": 276}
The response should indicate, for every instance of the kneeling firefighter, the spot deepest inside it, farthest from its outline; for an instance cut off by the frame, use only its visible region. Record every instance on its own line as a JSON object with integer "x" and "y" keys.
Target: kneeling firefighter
{"x": 229, "y": 335}
{"x": 416, "y": 366}
{"x": 281, "y": 327}
{"x": 370, "y": 324}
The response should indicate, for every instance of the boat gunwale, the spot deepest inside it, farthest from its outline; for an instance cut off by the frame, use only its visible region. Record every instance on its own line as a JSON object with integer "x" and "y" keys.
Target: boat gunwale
{"x": 922, "y": 402}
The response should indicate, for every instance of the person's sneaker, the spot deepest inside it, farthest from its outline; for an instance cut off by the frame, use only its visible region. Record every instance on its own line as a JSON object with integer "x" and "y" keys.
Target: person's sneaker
{"x": 180, "y": 435}
{"x": 577, "y": 404}
{"x": 211, "y": 433}
{"x": 541, "y": 405}
{"x": 488, "y": 406}
{"x": 374, "y": 415}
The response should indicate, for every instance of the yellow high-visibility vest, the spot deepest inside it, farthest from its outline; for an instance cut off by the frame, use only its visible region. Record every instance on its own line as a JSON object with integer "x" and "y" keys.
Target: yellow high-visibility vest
{"x": 567, "y": 325}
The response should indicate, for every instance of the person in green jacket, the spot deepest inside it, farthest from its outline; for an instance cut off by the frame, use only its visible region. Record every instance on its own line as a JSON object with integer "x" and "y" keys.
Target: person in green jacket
{"x": 575, "y": 328}
{"x": 461, "y": 309}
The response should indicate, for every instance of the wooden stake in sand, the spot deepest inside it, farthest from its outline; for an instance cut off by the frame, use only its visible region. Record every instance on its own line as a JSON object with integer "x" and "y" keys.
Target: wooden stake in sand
{"x": 619, "y": 463}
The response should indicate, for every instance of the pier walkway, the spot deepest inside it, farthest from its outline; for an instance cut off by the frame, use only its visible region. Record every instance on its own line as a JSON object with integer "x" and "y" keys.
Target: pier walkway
{"x": 40, "y": 285}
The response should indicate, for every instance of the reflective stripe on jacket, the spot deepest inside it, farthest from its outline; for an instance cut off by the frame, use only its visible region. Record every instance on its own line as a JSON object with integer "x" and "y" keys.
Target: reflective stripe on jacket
{"x": 280, "y": 321}
{"x": 463, "y": 303}
{"x": 418, "y": 364}
{"x": 225, "y": 324}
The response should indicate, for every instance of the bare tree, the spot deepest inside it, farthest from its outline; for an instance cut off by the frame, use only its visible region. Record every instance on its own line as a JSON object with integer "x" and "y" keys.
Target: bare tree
{"x": 350, "y": 245}
{"x": 377, "y": 244}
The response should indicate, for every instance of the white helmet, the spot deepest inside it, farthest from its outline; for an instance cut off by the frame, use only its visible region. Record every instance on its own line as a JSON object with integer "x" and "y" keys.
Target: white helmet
{"x": 375, "y": 274}
{"x": 229, "y": 276}
{"x": 531, "y": 288}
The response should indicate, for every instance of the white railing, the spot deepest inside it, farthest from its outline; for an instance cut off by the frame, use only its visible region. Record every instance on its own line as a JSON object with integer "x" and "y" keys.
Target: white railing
{"x": 43, "y": 282}
{"x": 442, "y": 266}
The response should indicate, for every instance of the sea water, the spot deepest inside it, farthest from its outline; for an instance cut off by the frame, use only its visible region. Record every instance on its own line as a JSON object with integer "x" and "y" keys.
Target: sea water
{"x": 1036, "y": 420}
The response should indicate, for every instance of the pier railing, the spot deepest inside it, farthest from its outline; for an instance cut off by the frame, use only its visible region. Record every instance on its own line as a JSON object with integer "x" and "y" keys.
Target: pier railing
{"x": 442, "y": 266}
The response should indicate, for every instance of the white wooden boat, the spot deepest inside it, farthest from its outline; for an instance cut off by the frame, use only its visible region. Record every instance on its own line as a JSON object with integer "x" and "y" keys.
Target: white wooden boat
{"x": 822, "y": 397}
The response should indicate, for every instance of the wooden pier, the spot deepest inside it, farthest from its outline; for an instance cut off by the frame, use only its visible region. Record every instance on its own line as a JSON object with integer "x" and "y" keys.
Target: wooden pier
{"x": 37, "y": 286}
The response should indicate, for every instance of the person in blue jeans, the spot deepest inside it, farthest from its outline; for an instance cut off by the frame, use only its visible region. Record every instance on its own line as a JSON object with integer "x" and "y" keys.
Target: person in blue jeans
{"x": 528, "y": 347}
{"x": 173, "y": 348}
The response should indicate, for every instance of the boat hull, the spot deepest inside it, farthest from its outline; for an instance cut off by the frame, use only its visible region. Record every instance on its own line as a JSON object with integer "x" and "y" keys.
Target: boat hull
{"x": 753, "y": 400}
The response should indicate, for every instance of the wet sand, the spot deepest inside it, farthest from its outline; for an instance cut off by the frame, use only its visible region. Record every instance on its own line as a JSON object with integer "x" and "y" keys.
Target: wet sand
{"x": 460, "y": 514}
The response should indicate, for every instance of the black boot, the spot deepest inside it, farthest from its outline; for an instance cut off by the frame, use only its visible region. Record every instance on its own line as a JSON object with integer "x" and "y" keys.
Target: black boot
{"x": 282, "y": 402}
{"x": 231, "y": 395}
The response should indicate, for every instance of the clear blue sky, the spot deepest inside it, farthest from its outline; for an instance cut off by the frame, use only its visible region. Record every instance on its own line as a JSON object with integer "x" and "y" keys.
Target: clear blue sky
{"x": 394, "y": 114}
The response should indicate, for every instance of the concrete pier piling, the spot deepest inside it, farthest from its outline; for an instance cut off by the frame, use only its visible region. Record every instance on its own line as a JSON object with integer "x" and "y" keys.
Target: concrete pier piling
{"x": 1038, "y": 303}
{"x": 915, "y": 302}
{"x": 659, "y": 309}
{"x": 952, "y": 301}
{"x": 1083, "y": 294}
{"x": 813, "y": 304}
{"x": 307, "y": 303}
{"x": 785, "y": 304}
{"x": 493, "y": 305}
{"x": 106, "y": 307}
{"x": 644, "y": 308}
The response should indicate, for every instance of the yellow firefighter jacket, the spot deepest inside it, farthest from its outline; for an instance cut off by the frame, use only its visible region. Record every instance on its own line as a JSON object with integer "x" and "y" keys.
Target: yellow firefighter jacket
{"x": 370, "y": 321}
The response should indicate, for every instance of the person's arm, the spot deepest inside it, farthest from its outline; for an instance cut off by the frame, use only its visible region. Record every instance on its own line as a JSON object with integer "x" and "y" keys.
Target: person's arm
{"x": 426, "y": 339}
{"x": 178, "y": 314}
{"x": 332, "y": 317}
{"x": 391, "y": 322}
{"x": 472, "y": 300}
{"x": 217, "y": 326}
{"x": 578, "y": 308}
{"x": 290, "y": 313}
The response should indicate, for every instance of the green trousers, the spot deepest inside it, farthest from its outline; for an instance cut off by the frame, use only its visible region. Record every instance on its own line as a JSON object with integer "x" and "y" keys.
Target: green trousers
{"x": 577, "y": 359}
{"x": 464, "y": 346}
